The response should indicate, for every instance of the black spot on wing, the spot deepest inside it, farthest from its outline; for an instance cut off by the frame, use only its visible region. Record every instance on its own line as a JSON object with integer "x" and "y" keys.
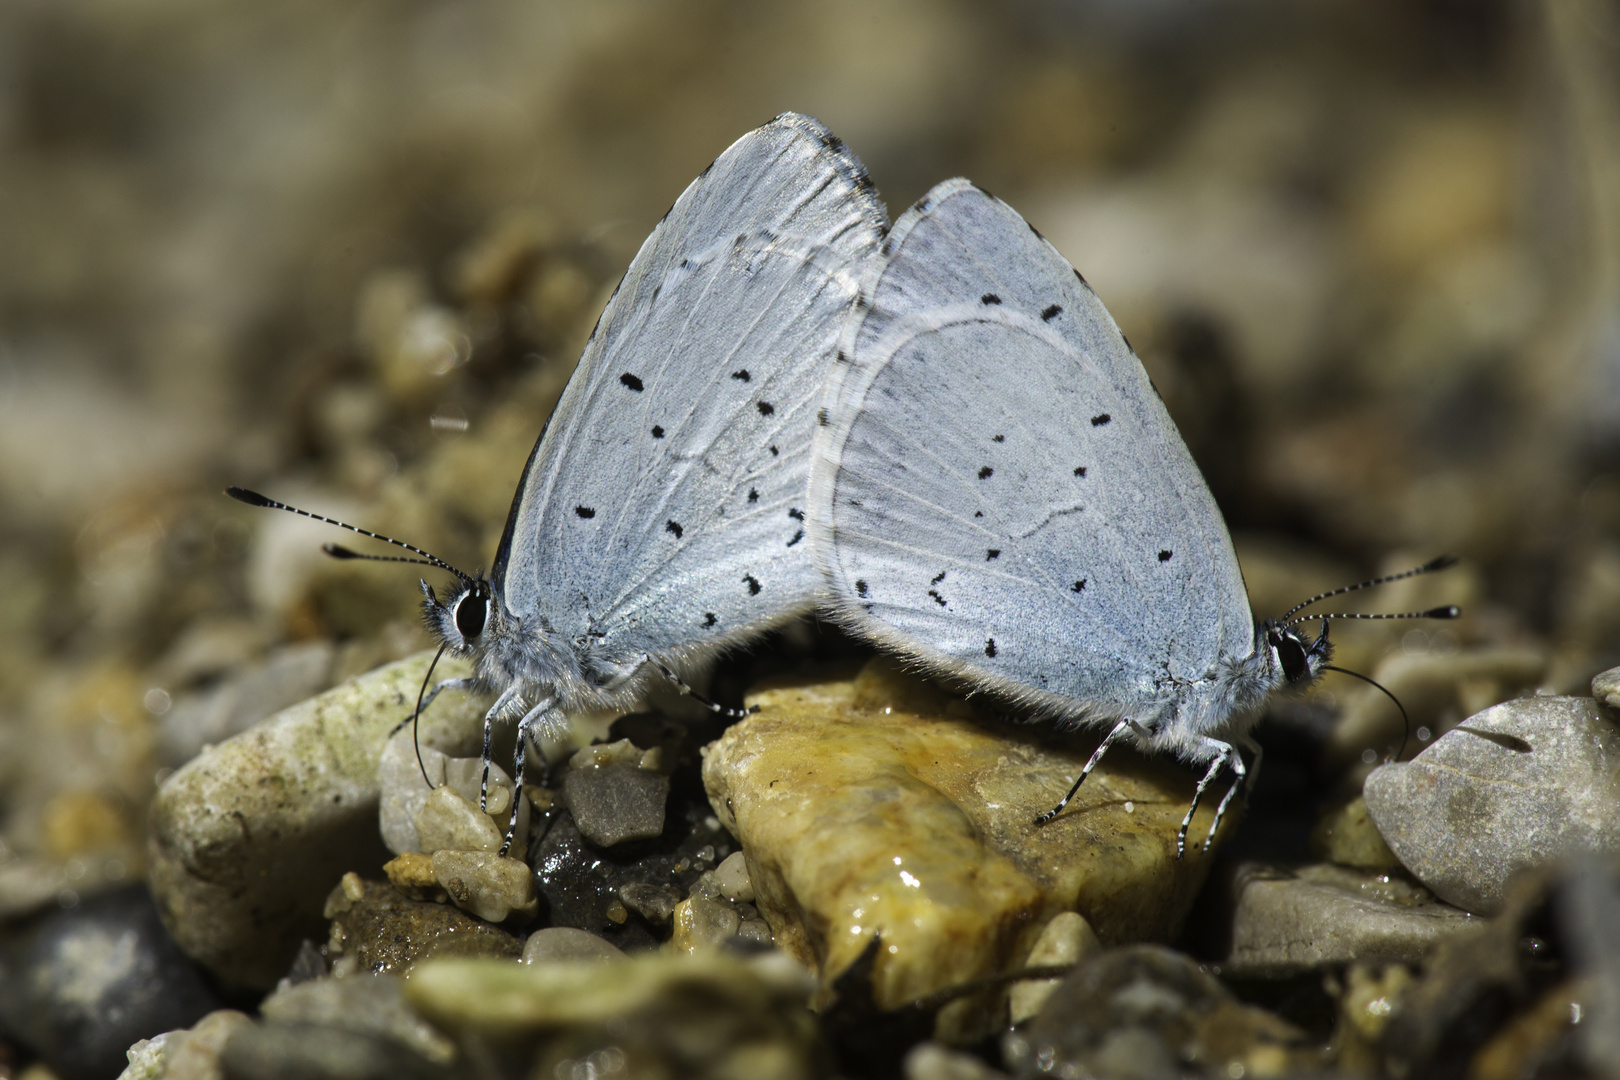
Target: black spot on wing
{"x": 1078, "y": 586}
{"x": 841, "y": 357}
{"x": 631, "y": 381}
{"x": 821, "y": 417}
{"x": 989, "y": 299}
{"x": 998, "y": 438}
{"x": 1079, "y": 470}
{"x": 986, "y": 473}
{"x": 774, "y": 451}
{"x": 938, "y": 599}
{"x": 990, "y": 647}
{"x": 991, "y": 553}
{"x": 796, "y": 538}
{"x": 1050, "y": 313}
{"x": 708, "y": 618}
{"x": 753, "y": 495}
{"x": 673, "y": 526}
{"x": 753, "y": 584}
{"x": 1164, "y": 556}
{"x": 978, "y": 513}
{"x": 657, "y": 432}
{"x": 1100, "y": 419}
{"x": 585, "y": 512}
{"x": 860, "y": 588}
{"x": 937, "y": 578}
{"x": 795, "y": 513}
{"x": 741, "y": 375}
{"x": 765, "y": 408}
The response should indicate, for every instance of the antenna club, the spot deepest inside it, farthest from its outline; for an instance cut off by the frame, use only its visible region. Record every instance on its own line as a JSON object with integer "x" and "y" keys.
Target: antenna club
{"x": 1439, "y": 563}
{"x": 338, "y": 551}
{"x": 252, "y": 498}
{"x": 1451, "y": 611}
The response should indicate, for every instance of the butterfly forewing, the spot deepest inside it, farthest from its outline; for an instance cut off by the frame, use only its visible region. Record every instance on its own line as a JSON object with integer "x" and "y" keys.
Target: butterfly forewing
{"x": 664, "y": 506}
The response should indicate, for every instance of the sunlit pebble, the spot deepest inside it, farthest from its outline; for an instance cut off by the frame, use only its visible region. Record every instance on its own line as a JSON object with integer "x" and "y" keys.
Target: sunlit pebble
{"x": 712, "y": 823}
{"x": 1369, "y": 756}
{"x": 157, "y": 701}
{"x": 1130, "y": 808}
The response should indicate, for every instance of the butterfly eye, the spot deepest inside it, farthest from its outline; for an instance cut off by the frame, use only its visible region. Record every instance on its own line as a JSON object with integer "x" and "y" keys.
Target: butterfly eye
{"x": 1291, "y": 654}
{"x": 470, "y": 613}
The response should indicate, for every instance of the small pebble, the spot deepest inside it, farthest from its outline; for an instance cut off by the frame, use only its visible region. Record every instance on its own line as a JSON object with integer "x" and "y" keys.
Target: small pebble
{"x": 1519, "y": 785}
{"x": 1066, "y": 940}
{"x": 412, "y": 874}
{"x": 568, "y": 943}
{"x": 612, "y": 796}
{"x": 731, "y": 877}
{"x": 487, "y": 885}
{"x": 702, "y": 923}
{"x": 449, "y": 820}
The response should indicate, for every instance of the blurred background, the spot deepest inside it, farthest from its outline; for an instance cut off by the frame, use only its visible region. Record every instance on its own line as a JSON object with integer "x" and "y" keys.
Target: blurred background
{"x": 1368, "y": 249}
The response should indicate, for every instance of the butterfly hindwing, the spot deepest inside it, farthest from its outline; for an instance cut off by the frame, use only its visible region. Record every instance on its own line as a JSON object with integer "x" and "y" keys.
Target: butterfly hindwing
{"x": 1000, "y": 492}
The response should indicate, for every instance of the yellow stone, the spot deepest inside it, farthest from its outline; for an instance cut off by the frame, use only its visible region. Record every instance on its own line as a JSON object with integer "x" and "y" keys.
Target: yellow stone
{"x": 412, "y": 874}
{"x": 81, "y": 822}
{"x": 883, "y": 806}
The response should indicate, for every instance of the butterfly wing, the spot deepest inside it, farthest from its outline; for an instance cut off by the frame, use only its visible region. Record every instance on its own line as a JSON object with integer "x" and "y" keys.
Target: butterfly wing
{"x": 1000, "y": 492}
{"x": 662, "y": 509}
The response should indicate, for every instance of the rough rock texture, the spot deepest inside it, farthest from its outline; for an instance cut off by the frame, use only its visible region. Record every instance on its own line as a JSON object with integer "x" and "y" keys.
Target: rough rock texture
{"x": 1519, "y": 785}
{"x": 879, "y": 806}
{"x": 1285, "y": 922}
{"x": 246, "y": 840}
{"x": 658, "y": 1014}
{"x": 376, "y": 929}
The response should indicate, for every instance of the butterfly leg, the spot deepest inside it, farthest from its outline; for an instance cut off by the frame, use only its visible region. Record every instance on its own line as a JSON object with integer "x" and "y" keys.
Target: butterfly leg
{"x": 1121, "y": 729}
{"x": 447, "y": 684}
{"x": 525, "y": 734}
{"x": 679, "y": 684}
{"x": 1221, "y": 755}
{"x": 502, "y": 704}
{"x": 1240, "y": 782}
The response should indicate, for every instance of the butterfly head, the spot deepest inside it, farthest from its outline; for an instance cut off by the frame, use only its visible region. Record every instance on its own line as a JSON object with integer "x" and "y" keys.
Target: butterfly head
{"x": 463, "y": 620}
{"x": 1297, "y": 658}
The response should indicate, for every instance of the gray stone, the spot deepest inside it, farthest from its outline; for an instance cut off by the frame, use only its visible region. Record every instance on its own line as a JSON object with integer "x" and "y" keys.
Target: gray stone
{"x": 314, "y": 1052}
{"x": 1520, "y": 785}
{"x": 364, "y": 1003}
{"x": 1606, "y": 688}
{"x": 246, "y": 839}
{"x": 1147, "y": 1012}
{"x": 616, "y": 801}
{"x": 79, "y": 987}
{"x": 568, "y": 943}
{"x": 1286, "y": 922}
{"x": 655, "y": 903}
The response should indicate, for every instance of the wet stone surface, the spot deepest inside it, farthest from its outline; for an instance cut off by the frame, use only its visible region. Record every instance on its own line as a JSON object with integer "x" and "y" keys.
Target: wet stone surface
{"x": 881, "y": 806}
{"x": 375, "y": 929}
{"x": 627, "y": 893}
